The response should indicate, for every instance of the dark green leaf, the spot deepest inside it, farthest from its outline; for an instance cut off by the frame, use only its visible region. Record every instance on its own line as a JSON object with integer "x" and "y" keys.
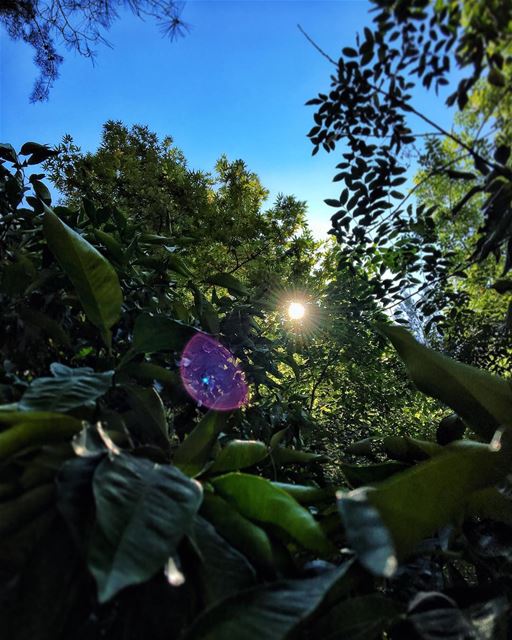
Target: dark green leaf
{"x": 143, "y": 510}
{"x": 367, "y": 534}
{"x": 243, "y": 534}
{"x": 148, "y": 422}
{"x": 66, "y": 391}
{"x": 224, "y": 571}
{"x": 277, "y": 608}
{"x": 194, "y": 452}
{"x": 482, "y": 400}
{"x": 229, "y": 282}
{"x": 160, "y": 333}
{"x": 95, "y": 281}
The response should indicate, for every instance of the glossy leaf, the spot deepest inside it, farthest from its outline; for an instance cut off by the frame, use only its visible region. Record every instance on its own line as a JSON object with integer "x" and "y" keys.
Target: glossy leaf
{"x": 367, "y": 534}
{"x": 481, "y": 399}
{"x": 148, "y": 422}
{"x": 143, "y": 510}
{"x": 243, "y": 534}
{"x": 275, "y": 609}
{"x": 239, "y": 454}
{"x": 224, "y": 571}
{"x": 194, "y": 452}
{"x": 160, "y": 333}
{"x": 95, "y": 281}
{"x": 358, "y": 475}
{"x": 30, "y": 429}
{"x": 68, "y": 390}
{"x": 285, "y": 455}
{"x": 259, "y": 500}
{"x": 441, "y": 485}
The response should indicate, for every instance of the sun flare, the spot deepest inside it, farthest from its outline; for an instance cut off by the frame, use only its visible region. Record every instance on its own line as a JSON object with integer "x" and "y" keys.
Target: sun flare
{"x": 296, "y": 311}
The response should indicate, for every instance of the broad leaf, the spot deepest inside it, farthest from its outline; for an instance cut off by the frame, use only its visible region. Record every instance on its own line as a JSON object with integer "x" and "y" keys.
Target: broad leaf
{"x": 143, "y": 510}
{"x": 239, "y": 454}
{"x": 482, "y": 400}
{"x": 30, "y": 429}
{"x": 67, "y": 390}
{"x": 285, "y": 455}
{"x": 93, "y": 277}
{"x": 243, "y": 534}
{"x": 359, "y": 618}
{"x": 415, "y": 503}
{"x": 147, "y": 422}
{"x": 160, "y": 333}
{"x": 271, "y": 611}
{"x": 367, "y": 534}
{"x": 229, "y": 282}
{"x": 358, "y": 475}
{"x": 258, "y": 499}
{"x": 224, "y": 571}
{"x": 194, "y": 452}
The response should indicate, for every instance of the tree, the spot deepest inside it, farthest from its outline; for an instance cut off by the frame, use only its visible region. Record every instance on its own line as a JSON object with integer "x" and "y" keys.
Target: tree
{"x": 397, "y": 245}
{"x": 219, "y": 218}
{"x": 46, "y": 25}
{"x": 128, "y": 510}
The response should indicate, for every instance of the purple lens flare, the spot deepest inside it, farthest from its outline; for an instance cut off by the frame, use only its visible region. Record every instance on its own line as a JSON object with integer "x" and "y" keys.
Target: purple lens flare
{"x": 211, "y": 374}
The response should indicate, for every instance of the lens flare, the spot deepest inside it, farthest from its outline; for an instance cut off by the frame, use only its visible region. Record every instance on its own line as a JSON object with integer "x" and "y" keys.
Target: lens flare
{"x": 296, "y": 310}
{"x": 211, "y": 374}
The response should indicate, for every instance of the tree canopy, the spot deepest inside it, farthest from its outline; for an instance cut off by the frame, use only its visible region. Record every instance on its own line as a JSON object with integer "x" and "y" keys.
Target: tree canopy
{"x": 180, "y": 457}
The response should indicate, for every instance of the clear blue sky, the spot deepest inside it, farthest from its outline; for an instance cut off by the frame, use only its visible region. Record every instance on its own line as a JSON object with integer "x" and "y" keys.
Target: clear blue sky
{"x": 236, "y": 84}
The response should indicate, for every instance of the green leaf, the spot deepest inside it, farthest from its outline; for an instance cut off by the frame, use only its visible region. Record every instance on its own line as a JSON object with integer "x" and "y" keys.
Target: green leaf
{"x": 143, "y": 510}
{"x": 19, "y": 511}
{"x": 148, "y": 423}
{"x": 224, "y": 571}
{"x": 67, "y": 390}
{"x": 306, "y": 494}
{"x": 206, "y": 313}
{"x": 177, "y": 264}
{"x": 284, "y": 455}
{"x": 271, "y": 611}
{"x": 111, "y": 244}
{"x": 442, "y": 486}
{"x": 259, "y": 500}
{"x": 239, "y": 454}
{"x": 367, "y": 534}
{"x": 358, "y": 475}
{"x": 148, "y": 372}
{"x": 30, "y": 429}
{"x": 229, "y": 282}
{"x": 194, "y": 452}
{"x": 243, "y": 534}
{"x": 93, "y": 277}
{"x": 481, "y": 399}
{"x": 160, "y": 333}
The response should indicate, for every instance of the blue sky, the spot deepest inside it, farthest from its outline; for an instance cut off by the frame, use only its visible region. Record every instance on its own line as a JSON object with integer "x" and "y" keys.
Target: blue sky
{"x": 236, "y": 84}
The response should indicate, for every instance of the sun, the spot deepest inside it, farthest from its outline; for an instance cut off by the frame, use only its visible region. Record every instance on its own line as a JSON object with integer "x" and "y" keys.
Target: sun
{"x": 296, "y": 310}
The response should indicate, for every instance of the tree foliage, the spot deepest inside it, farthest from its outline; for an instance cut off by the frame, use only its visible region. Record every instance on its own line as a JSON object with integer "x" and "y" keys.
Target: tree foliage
{"x": 370, "y": 107}
{"x": 324, "y": 507}
{"x": 48, "y": 25}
